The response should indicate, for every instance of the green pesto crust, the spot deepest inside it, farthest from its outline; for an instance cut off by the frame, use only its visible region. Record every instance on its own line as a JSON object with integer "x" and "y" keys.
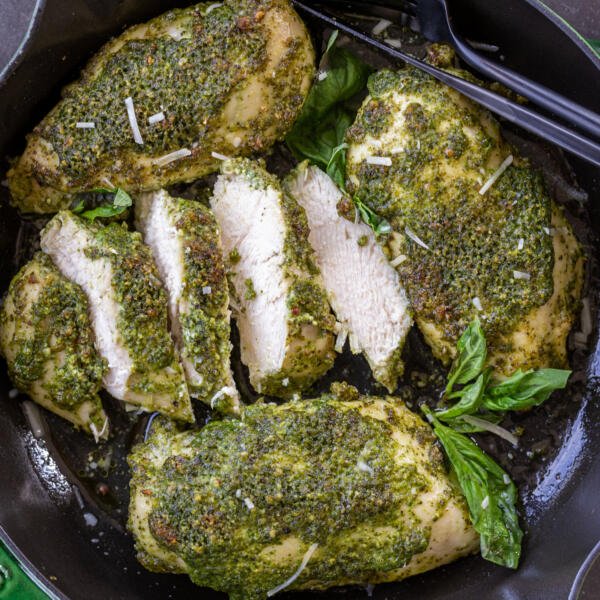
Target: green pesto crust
{"x": 229, "y": 77}
{"x": 47, "y": 339}
{"x": 320, "y": 472}
{"x": 476, "y": 242}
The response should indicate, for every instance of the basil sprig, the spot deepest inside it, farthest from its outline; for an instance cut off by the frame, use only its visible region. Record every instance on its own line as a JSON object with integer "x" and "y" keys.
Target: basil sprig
{"x": 490, "y": 494}
{"x": 121, "y": 201}
{"x": 319, "y": 132}
{"x": 488, "y": 490}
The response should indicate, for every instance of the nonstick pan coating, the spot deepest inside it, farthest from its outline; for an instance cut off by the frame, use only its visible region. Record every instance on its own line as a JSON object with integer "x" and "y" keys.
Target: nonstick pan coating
{"x": 62, "y": 513}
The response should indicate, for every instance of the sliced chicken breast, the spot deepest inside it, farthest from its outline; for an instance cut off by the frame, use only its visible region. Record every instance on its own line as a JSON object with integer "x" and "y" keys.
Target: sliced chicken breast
{"x": 154, "y": 104}
{"x": 363, "y": 288}
{"x": 128, "y": 308}
{"x": 481, "y": 236}
{"x": 186, "y": 244}
{"x": 47, "y": 339}
{"x": 338, "y": 490}
{"x": 278, "y": 298}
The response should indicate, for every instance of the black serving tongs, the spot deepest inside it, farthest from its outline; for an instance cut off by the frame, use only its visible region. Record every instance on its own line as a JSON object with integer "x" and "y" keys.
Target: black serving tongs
{"x": 525, "y": 117}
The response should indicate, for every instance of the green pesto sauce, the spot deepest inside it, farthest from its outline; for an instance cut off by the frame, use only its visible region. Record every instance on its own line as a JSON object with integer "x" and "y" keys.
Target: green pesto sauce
{"x": 473, "y": 239}
{"x": 142, "y": 318}
{"x": 60, "y": 326}
{"x": 191, "y": 79}
{"x": 250, "y": 293}
{"x": 204, "y": 323}
{"x": 303, "y": 472}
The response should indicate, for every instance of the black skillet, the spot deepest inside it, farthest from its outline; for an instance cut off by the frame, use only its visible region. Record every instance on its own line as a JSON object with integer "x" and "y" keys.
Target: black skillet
{"x": 47, "y": 489}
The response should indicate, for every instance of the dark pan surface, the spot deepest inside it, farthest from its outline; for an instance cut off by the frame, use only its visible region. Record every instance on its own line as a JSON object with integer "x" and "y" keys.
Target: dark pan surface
{"x": 62, "y": 511}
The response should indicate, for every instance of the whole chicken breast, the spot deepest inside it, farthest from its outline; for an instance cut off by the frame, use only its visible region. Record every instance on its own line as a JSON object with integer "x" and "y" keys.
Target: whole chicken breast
{"x": 363, "y": 288}
{"x": 154, "y": 104}
{"x": 473, "y": 225}
{"x": 277, "y": 293}
{"x": 338, "y": 490}
{"x": 186, "y": 245}
{"x": 128, "y": 308}
{"x": 47, "y": 339}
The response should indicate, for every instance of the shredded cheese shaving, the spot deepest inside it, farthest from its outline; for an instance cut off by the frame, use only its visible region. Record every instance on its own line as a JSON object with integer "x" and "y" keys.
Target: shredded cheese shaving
{"x": 85, "y": 125}
{"x": 322, "y": 75}
{"x": 361, "y": 465}
{"x": 384, "y": 161}
{"x": 212, "y": 7}
{"x": 492, "y": 428}
{"x": 521, "y": 275}
{"x": 341, "y": 340}
{"x": 299, "y": 570}
{"x": 520, "y": 244}
{"x": 222, "y": 392}
{"x": 490, "y": 182}
{"x": 249, "y": 504}
{"x": 172, "y": 157}
{"x": 398, "y": 260}
{"x": 206, "y": 290}
{"x": 506, "y": 479}
{"x": 219, "y": 156}
{"x": 477, "y": 303}
{"x": 137, "y": 136}
{"x": 415, "y": 238}
{"x": 393, "y": 42}
{"x": 157, "y": 118}
{"x": 98, "y": 434}
{"x": 381, "y": 26}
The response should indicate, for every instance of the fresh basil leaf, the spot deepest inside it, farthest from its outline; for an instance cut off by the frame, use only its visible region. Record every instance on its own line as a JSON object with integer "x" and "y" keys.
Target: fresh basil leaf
{"x": 471, "y": 397}
{"x": 525, "y": 389}
{"x": 120, "y": 202}
{"x": 78, "y": 207}
{"x": 378, "y": 224}
{"x": 469, "y": 361}
{"x": 489, "y": 492}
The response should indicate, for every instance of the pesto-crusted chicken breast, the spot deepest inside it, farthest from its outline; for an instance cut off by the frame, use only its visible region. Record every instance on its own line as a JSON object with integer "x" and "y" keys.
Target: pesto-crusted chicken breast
{"x": 186, "y": 244}
{"x": 363, "y": 288}
{"x": 155, "y": 102}
{"x": 128, "y": 308}
{"x": 278, "y": 298}
{"x": 339, "y": 490}
{"x": 47, "y": 339}
{"x": 479, "y": 232}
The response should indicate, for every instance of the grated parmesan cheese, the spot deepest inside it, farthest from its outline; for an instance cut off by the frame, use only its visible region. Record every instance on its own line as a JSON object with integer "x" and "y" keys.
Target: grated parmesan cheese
{"x": 172, "y": 156}
{"x": 299, "y": 570}
{"x": 381, "y": 26}
{"x": 520, "y": 244}
{"x": 477, "y": 303}
{"x": 485, "y": 502}
{"x": 384, "y": 161}
{"x": 398, "y": 260}
{"x": 157, "y": 118}
{"x": 415, "y": 238}
{"x": 490, "y": 182}
{"x": 137, "y": 136}
{"x": 219, "y": 156}
{"x": 506, "y": 479}
{"x": 285, "y": 382}
{"x": 521, "y": 275}
{"x": 249, "y": 504}
{"x": 236, "y": 142}
{"x": 361, "y": 465}
{"x": 206, "y": 290}
{"x": 322, "y": 75}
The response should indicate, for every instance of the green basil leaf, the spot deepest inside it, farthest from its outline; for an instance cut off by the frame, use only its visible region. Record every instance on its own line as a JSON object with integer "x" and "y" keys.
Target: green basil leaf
{"x": 471, "y": 398}
{"x": 122, "y": 198}
{"x": 469, "y": 361}
{"x": 78, "y": 207}
{"x": 525, "y": 389}
{"x": 490, "y": 494}
{"x": 104, "y": 211}
{"x": 120, "y": 202}
{"x": 378, "y": 224}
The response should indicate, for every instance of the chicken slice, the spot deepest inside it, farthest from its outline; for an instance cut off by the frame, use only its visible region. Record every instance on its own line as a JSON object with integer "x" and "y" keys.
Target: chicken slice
{"x": 481, "y": 235}
{"x": 47, "y": 340}
{"x": 128, "y": 307}
{"x": 280, "y": 306}
{"x": 363, "y": 289}
{"x": 186, "y": 244}
{"x": 227, "y": 77}
{"x": 355, "y": 484}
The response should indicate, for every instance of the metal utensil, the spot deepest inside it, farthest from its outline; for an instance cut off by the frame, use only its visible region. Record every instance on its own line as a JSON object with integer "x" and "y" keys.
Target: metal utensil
{"x": 525, "y": 117}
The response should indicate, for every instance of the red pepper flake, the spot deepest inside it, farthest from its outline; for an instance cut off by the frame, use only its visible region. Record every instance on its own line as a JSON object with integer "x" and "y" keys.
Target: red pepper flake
{"x": 295, "y": 311}
{"x": 244, "y": 23}
{"x": 147, "y": 492}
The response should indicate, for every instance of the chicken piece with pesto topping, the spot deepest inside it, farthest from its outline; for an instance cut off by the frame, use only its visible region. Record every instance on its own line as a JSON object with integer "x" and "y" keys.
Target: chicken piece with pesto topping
{"x": 47, "y": 339}
{"x": 363, "y": 288}
{"x": 154, "y": 104}
{"x": 278, "y": 298}
{"x": 479, "y": 233}
{"x": 128, "y": 308}
{"x": 342, "y": 489}
{"x": 186, "y": 244}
